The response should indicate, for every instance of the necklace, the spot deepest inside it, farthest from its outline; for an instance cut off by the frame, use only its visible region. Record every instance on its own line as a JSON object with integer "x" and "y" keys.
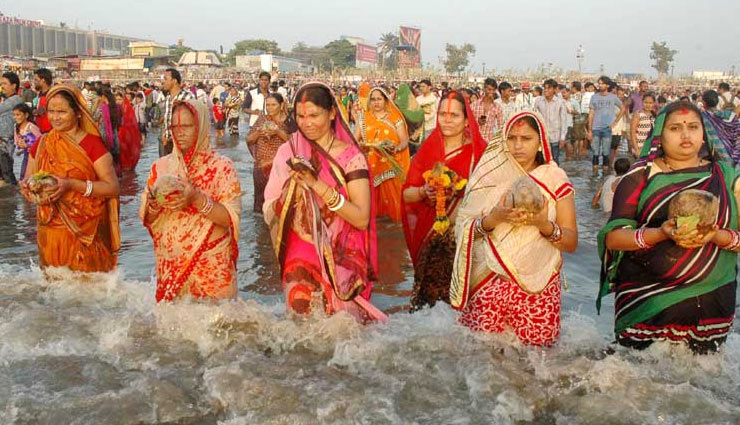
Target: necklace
{"x": 667, "y": 164}
{"x": 331, "y": 144}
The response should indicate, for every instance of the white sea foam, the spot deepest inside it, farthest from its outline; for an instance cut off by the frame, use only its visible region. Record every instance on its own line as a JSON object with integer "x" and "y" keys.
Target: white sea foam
{"x": 102, "y": 351}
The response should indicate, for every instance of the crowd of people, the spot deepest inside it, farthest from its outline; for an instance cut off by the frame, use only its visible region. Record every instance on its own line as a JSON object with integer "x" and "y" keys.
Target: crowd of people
{"x": 472, "y": 174}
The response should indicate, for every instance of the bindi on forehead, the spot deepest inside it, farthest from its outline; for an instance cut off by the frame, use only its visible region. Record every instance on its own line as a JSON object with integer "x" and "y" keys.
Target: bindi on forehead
{"x": 519, "y": 123}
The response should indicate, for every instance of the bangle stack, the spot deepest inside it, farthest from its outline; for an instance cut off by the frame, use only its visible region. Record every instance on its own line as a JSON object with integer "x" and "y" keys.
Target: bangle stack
{"x": 88, "y": 189}
{"x": 557, "y": 233}
{"x": 208, "y": 207}
{"x": 336, "y": 202}
{"x": 478, "y": 226}
{"x": 734, "y": 241}
{"x": 338, "y": 205}
{"x": 640, "y": 239}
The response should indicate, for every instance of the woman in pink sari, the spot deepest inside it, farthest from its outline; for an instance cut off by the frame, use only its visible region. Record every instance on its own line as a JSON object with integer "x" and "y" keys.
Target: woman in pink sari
{"x": 318, "y": 205}
{"x": 191, "y": 208}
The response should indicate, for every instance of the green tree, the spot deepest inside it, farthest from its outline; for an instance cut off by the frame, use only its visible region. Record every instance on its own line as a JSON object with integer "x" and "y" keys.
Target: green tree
{"x": 176, "y": 50}
{"x": 388, "y": 52}
{"x": 315, "y": 55}
{"x": 662, "y": 55}
{"x": 458, "y": 57}
{"x": 341, "y": 53}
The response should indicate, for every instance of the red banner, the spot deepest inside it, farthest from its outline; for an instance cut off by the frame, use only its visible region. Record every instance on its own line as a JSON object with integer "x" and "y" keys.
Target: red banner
{"x": 366, "y": 53}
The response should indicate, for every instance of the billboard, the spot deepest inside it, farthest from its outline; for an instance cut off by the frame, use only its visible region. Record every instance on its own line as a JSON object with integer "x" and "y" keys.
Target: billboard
{"x": 409, "y": 48}
{"x": 365, "y": 54}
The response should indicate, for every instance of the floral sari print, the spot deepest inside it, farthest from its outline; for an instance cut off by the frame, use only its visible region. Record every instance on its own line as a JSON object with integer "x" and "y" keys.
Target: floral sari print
{"x": 510, "y": 278}
{"x": 318, "y": 251}
{"x": 194, "y": 256}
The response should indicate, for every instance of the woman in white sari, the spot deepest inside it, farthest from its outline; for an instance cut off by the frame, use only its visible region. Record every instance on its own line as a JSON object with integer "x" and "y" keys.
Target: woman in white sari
{"x": 507, "y": 266}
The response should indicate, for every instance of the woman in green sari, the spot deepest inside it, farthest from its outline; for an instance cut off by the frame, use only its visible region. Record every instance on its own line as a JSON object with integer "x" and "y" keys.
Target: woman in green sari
{"x": 672, "y": 282}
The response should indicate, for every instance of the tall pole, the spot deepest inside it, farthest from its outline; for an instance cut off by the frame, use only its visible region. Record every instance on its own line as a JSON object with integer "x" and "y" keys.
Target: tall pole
{"x": 484, "y": 70}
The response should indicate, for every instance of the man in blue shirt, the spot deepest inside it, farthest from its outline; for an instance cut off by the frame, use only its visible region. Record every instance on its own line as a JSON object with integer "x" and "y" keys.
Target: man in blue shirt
{"x": 602, "y": 111}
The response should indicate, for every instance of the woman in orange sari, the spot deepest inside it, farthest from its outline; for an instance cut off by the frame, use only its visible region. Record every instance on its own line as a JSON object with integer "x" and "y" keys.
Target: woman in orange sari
{"x": 457, "y": 144}
{"x": 384, "y": 135}
{"x": 195, "y": 222}
{"x": 78, "y": 224}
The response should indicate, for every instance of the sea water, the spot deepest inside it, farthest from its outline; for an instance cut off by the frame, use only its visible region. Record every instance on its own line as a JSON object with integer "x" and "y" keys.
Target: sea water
{"x": 101, "y": 351}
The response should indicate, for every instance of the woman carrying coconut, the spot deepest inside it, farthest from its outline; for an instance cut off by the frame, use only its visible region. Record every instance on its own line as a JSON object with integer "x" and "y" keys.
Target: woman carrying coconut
{"x": 191, "y": 208}
{"x": 669, "y": 255}
{"x": 452, "y": 149}
{"x": 70, "y": 176}
{"x": 517, "y": 216}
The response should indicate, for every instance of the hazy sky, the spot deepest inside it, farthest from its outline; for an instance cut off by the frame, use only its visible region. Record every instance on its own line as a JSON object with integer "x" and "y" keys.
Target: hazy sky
{"x": 507, "y": 34}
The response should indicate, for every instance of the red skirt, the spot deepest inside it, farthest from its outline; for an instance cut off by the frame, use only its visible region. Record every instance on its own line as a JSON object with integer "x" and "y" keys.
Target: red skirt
{"x": 501, "y": 305}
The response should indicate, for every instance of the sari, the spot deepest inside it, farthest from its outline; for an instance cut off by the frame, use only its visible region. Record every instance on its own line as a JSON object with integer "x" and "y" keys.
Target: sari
{"x": 231, "y": 110}
{"x": 194, "y": 256}
{"x": 666, "y": 292}
{"x": 78, "y": 232}
{"x": 319, "y": 251}
{"x": 129, "y": 137}
{"x": 724, "y": 126}
{"x": 509, "y": 279}
{"x": 432, "y": 253}
{"x": 264, "y": 151}
{"x": 388, "y": 169}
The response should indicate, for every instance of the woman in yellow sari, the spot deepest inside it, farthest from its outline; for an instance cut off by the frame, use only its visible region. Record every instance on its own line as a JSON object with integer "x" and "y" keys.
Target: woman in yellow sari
{"x": 194, "y": 223}
{"x": 383, "y": 132}
{"x": 78, "y": 223}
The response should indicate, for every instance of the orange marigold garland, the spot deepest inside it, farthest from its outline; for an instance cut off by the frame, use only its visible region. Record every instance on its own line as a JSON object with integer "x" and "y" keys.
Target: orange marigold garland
{"x": 442, "y": 179}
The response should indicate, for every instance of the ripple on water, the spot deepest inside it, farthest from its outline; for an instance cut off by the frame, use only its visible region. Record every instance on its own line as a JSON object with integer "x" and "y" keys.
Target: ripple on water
{"x": 100, "y": 351}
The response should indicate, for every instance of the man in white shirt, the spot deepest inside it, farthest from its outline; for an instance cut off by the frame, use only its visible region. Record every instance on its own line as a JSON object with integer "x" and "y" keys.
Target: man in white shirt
{"x": 428, "y": 103}
{"x": 283, "y": 91}
{"x": 256, "y": 98}
{"x": 216, "y": 91}
{"x": 727, "y": 100}
{"x": 525, "y": 99}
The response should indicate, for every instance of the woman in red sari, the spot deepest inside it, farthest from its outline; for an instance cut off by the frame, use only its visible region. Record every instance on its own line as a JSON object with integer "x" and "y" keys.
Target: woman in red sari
{"x": 319, "y": 208}
{"x": 129, "y": 137}
{"x": 457, "y": 144}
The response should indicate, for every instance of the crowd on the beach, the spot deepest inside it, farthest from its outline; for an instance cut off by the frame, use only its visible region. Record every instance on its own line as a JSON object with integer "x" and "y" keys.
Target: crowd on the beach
{"x": 472, "y": 174}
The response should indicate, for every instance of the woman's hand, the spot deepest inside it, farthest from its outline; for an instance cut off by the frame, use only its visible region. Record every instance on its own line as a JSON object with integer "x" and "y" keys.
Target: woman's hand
{"x": 21, "y": 144}
{"x": 25, "y": 191}
{"x": 303, "y": 178}
{"x": 184, "y": 199}
{"x": 685, "y": 237}
{"x": 63, "y": 185}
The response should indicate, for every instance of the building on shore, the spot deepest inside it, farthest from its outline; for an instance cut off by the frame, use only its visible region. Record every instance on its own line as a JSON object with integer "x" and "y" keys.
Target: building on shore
{"x": 148, "y": 48}
{"x": 272, "y": 63}
{"x": 32, "y": 38}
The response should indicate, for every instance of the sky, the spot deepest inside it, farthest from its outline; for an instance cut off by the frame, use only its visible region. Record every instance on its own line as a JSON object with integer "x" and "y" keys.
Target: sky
{"x": 513, "y": 34}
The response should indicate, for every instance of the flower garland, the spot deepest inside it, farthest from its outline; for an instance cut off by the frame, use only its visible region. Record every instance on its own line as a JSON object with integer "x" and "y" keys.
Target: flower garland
{"x": 442, "y": 179}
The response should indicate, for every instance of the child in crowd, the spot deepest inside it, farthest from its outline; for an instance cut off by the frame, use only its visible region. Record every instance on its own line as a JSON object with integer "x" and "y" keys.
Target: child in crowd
{"x": 218, "y": 117}
{"x": 605, "y": 195}
{"x": 26, "y": 133}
